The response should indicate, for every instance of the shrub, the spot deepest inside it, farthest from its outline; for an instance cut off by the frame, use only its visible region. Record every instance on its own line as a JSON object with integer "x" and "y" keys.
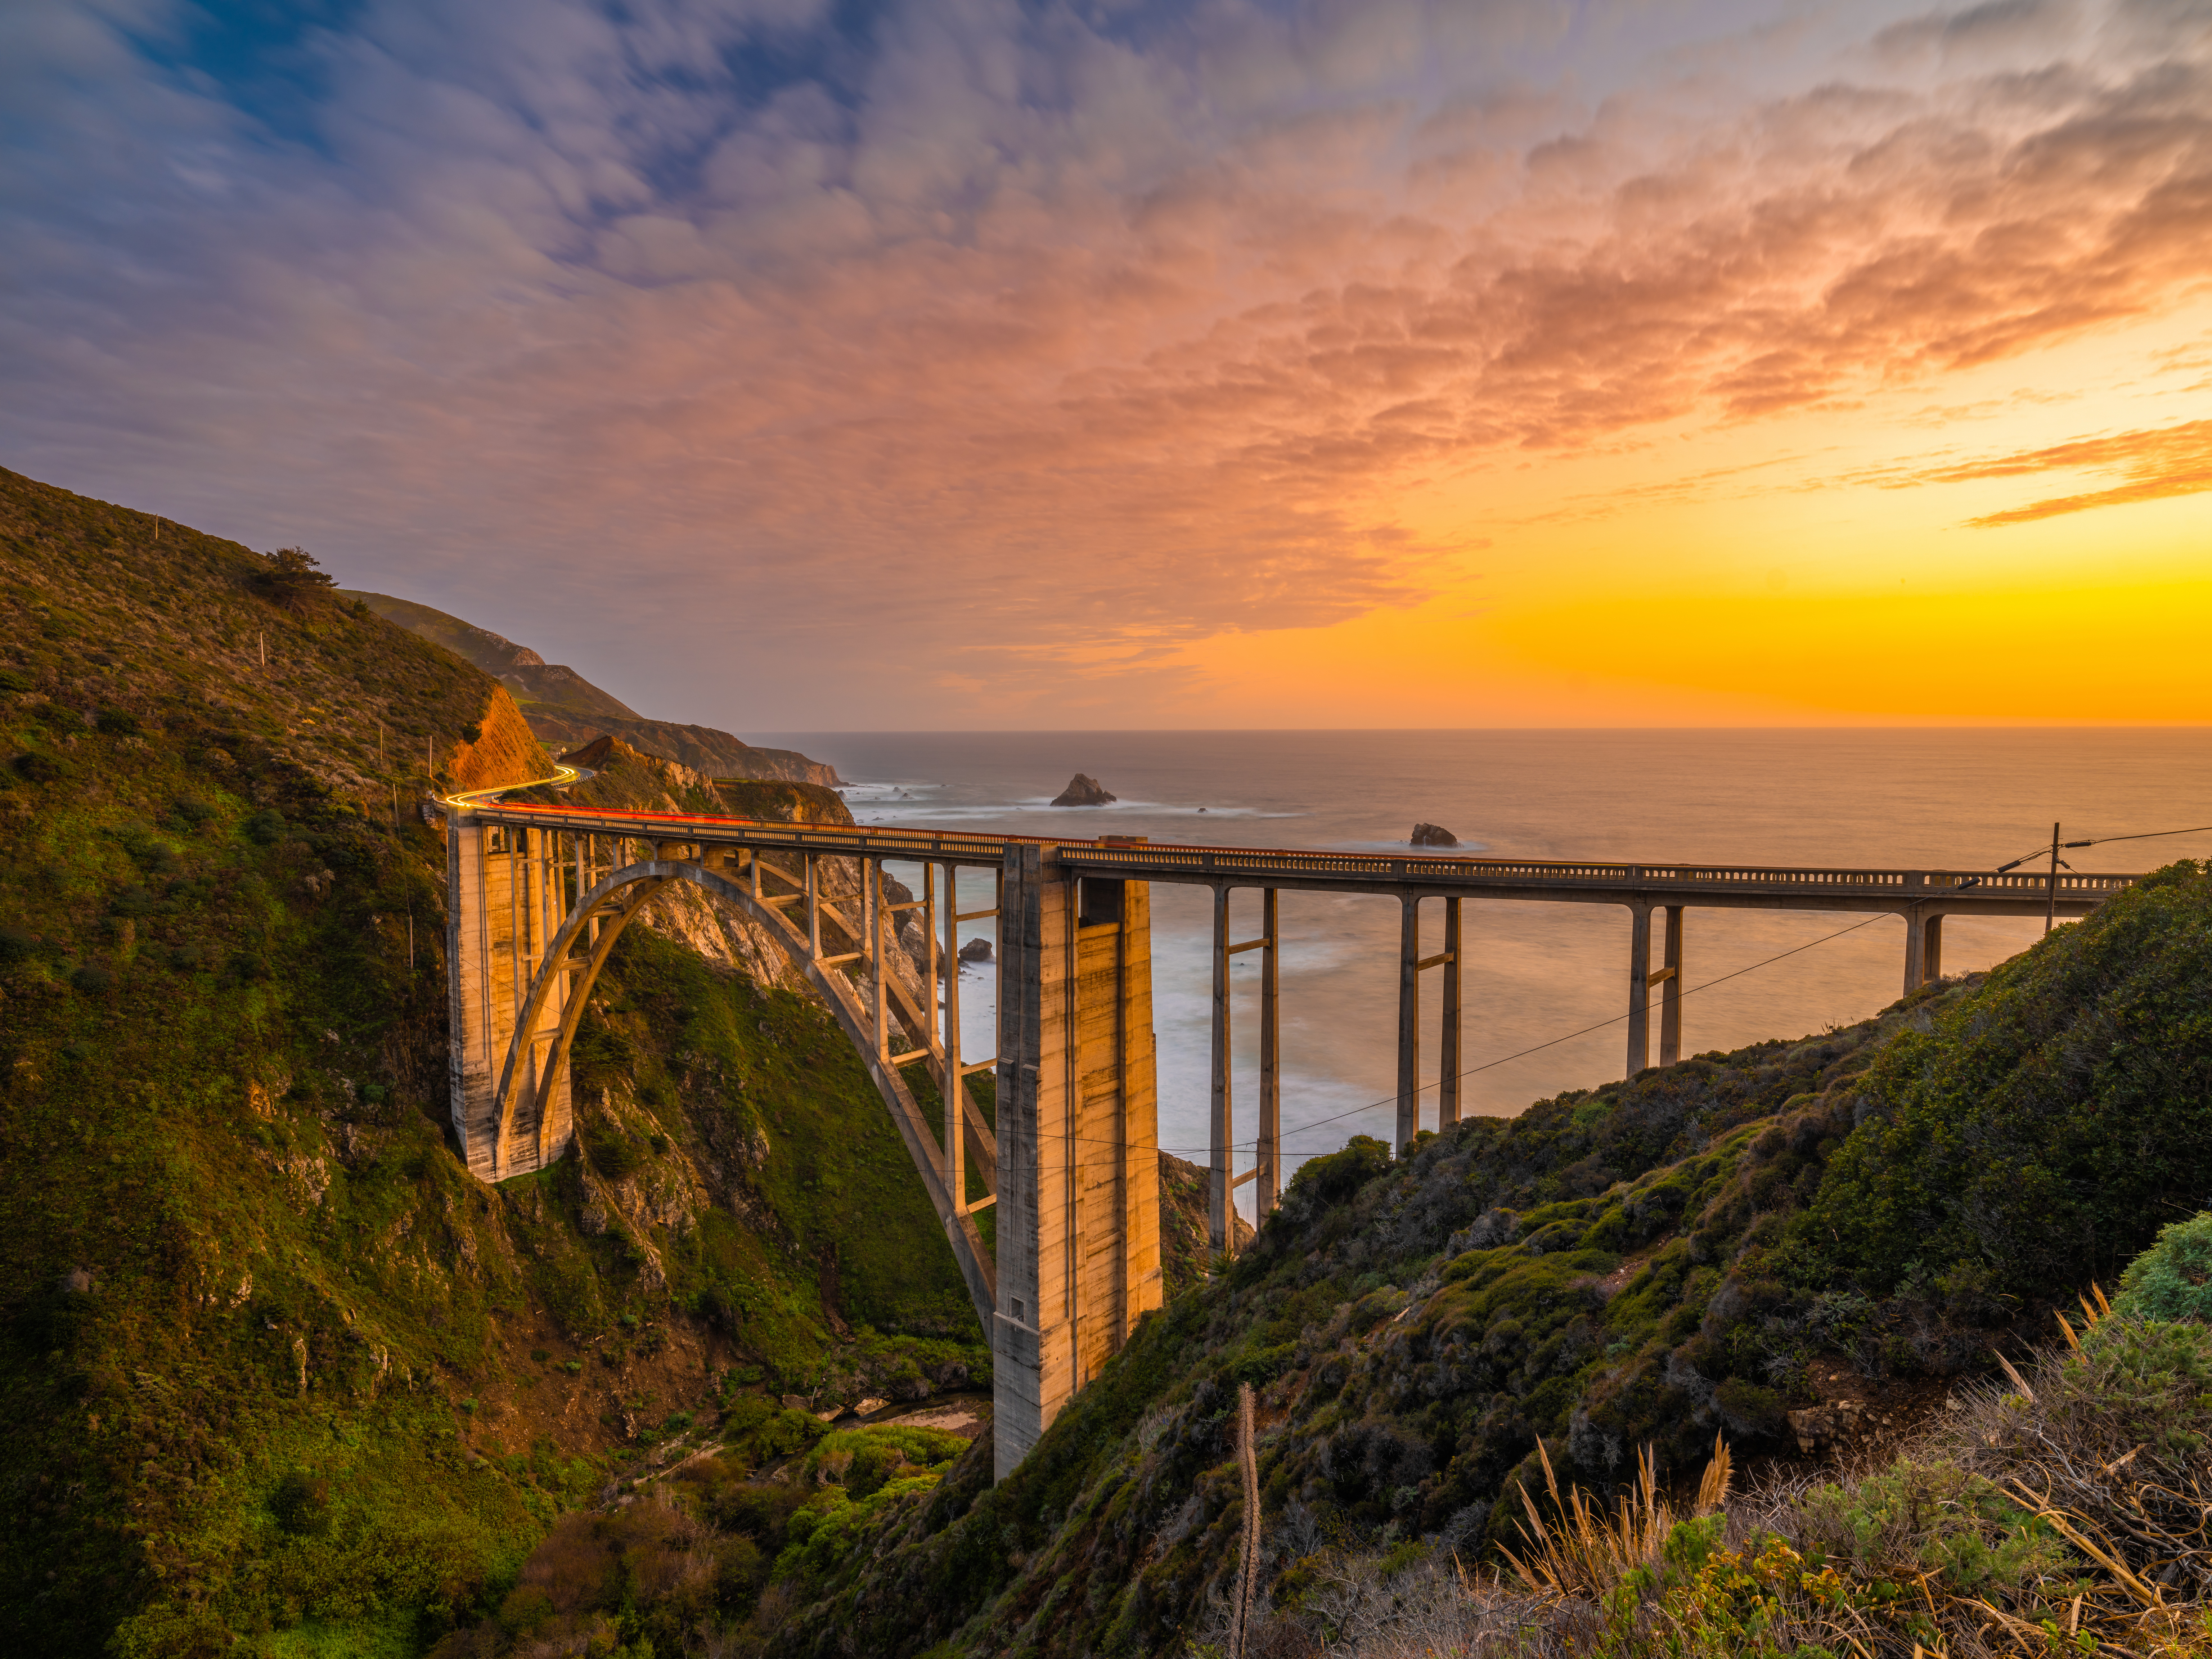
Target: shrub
{"x": 14, "y": 679}
{"x": 301, "y": 1504}
{"x": 613, "y": 1154}
{"x": 1998, "y": 1135}
{"x": 266, "y": 827}
{"x": 92, "y": 978}
{"x": 40, "y": 769}
{"x": 2173, "y": 1279}
{"x": 118, "y": 722}
{"x": 472, "y": 732}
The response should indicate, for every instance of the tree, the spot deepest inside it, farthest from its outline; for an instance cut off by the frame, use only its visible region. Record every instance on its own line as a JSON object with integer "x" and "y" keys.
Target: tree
{"x": 292, "y": 577}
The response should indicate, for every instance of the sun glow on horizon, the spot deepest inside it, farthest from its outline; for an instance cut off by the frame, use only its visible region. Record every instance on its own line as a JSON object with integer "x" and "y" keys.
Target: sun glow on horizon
{"x": 1593, "y": 368}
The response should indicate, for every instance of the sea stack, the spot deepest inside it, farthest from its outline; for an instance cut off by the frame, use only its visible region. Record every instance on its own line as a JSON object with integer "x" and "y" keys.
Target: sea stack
{"x": 1433, "y": 834}
{"x": 1084, "y": 790}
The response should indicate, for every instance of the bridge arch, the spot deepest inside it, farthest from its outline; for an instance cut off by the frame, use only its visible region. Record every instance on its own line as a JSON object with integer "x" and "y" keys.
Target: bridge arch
{"x": 563, "y": 982}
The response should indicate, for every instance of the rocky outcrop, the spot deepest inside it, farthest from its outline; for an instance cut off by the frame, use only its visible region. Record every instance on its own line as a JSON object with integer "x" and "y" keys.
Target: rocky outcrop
{"x": 702, "y": 748}
{"x": 1433, "y": 834}
{"x": 976, "y": 949}
{"x": 1084, "y": 790}
{"x": 502, "y": 751}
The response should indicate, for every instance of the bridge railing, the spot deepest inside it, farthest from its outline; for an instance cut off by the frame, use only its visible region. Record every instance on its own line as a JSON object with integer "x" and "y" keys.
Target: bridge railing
{"x": 1169, "y": 860}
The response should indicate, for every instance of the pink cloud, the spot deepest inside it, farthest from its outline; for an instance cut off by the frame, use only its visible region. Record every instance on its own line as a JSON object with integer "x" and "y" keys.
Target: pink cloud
{"x": 1000, "y": 326}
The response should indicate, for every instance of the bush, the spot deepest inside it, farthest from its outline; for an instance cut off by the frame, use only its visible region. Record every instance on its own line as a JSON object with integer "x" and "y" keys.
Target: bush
{"x": 266, "y": 827}
{"x": 40, "y": 769}
{"x": 2048, "y": 1119}
{"x": 118, "y": 722}
{"x": 472, "y": 732}
{"x": 14, "y": 679}
{"x": 92, "y": 978}
{"x": 2173, "y": 1279}
{"x": 301, "y": 1504}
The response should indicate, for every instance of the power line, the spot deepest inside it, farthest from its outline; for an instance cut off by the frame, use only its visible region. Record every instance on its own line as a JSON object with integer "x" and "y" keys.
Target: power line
{"x": 2147, "y": 835}
{"x": 1506, "y": 1060}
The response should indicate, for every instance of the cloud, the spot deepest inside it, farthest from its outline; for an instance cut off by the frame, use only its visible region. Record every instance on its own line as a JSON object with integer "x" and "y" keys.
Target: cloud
{"x": 2174, "y": 460}
{"x": 1002, "y": 336}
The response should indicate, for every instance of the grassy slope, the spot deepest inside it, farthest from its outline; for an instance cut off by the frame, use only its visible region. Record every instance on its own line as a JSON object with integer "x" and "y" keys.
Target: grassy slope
{"x": 270, "y": 1361}
{"x": 1650, "y": 1263}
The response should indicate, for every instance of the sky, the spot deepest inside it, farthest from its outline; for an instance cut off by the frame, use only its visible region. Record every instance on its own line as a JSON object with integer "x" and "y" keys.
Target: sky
{"x": 785, "y": 366}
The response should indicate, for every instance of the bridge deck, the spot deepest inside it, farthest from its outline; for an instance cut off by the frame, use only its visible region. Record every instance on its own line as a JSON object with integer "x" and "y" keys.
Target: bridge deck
{"x": 1815, "y": 887}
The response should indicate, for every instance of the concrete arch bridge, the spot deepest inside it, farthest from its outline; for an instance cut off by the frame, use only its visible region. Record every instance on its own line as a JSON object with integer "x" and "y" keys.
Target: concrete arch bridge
{"x": 538, "y": 894}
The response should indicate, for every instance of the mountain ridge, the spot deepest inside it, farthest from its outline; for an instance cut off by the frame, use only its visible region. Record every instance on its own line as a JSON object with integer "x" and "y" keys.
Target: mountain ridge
{"x": 567, "y": 711}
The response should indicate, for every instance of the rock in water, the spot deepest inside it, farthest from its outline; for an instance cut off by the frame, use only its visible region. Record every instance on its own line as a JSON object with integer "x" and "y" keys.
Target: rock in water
{"x": 1433, "y": 834}
{"x": 1084, "y": 791}
{"x": 975, "y": 949}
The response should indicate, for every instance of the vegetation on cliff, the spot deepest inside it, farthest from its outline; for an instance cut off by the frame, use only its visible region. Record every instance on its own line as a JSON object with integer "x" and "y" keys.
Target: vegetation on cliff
{"x": 274, "y": 1369}
{"x": 1701, "y": 1249}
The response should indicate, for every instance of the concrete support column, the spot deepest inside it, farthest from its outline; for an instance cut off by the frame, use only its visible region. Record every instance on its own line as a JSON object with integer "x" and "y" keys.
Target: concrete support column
{"x": 1916, "y": 946}
{"x": 878, "y": 955}
{"x": 1221, "y": 1116}
{"x": 1931, "y": 949}
{"x": 930, "y": 989}
{"x": 1409, "y": 1021}
{"x": 956, "y": 1087}
{"x": 1639, "y": 988}
{"x": 1670, "y": 991}
{"x": 1078, "y": 1139}
{"x": 1270, "y": 1166}
{"x": 502, "y": 883}
{"x": 1450, "y": 1062}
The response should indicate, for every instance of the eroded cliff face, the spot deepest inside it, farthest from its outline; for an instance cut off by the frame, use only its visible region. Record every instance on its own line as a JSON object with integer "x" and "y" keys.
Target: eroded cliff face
{"x": 504, "y": 751}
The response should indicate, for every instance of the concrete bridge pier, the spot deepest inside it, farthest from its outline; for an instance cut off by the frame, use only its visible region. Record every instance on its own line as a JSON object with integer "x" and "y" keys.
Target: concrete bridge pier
{"x": 1924, "y": 948}
{"x": 1221, "y": 1118}
{"x": 1669, "y": 979}
{"x": 506, "y": 899}
{"x": 1078, "y": 1242}
{"x": 1451, "y": 1063}
{"x": 1639, "y": 987}
{"x": 1412, "y": 964}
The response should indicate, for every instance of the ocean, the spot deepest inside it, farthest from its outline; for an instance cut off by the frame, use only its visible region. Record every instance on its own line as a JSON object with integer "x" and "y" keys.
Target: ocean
{"x": 1538, "y": 977}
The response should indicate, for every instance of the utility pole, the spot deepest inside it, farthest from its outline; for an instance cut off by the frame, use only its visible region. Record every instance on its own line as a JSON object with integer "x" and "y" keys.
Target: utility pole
{"x": 263, "y": 638}
{"x": 2051, "y": 900}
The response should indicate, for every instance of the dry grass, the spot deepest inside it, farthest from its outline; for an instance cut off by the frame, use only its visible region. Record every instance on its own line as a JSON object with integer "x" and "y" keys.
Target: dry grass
{"x": 2066, "y": 1510}
{"x": 1585, "y": 1550}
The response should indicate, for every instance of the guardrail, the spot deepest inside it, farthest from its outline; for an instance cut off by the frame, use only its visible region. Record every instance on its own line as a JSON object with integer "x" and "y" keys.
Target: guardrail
{"x": 1170, "y": 861}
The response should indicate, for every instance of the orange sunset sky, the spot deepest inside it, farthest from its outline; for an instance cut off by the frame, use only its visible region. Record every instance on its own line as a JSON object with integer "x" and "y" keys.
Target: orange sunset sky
{"x": 973, "y": 365}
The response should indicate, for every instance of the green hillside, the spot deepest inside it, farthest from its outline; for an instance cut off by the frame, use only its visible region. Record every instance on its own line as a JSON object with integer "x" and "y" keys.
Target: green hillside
{"x": 272, "y": 1366}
